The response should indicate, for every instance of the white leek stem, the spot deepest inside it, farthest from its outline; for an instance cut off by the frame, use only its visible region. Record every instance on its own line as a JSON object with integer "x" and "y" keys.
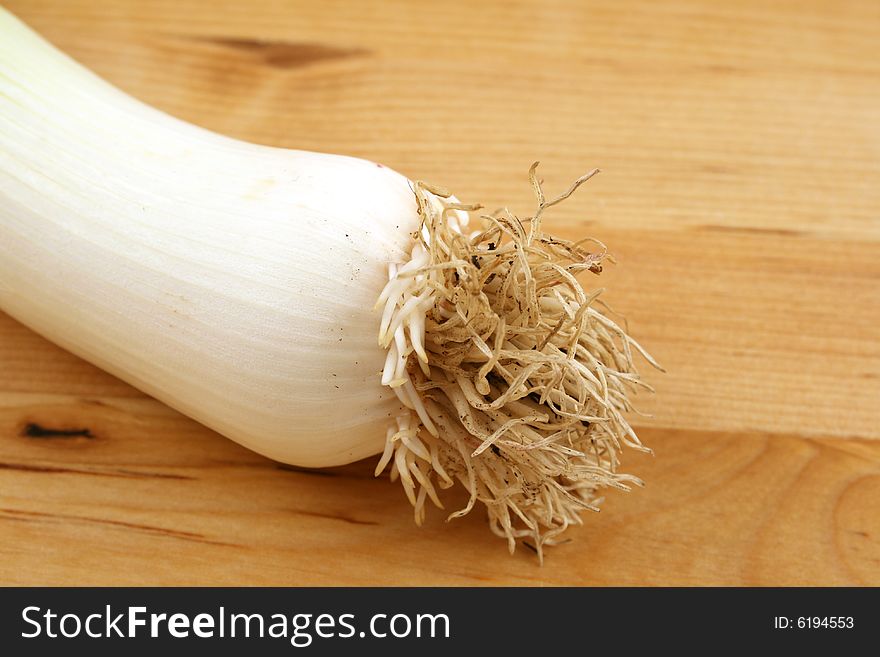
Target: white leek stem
{"x": 232, "y": 281}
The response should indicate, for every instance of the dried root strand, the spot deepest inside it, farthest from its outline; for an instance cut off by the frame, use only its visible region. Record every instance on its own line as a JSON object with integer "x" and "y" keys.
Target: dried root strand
{"x": 516, "y": 381}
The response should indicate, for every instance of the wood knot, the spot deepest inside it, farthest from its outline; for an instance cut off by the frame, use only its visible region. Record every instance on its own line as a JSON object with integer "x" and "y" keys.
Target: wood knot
{"x": 34, "y": 430}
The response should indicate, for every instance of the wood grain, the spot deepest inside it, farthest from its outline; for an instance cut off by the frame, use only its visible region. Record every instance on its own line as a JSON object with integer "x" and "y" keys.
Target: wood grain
{"x": 740, "y": 148}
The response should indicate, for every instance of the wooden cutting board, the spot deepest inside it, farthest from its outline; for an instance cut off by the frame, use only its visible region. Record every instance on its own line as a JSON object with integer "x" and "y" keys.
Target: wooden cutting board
{"x": 740, "y": 149}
